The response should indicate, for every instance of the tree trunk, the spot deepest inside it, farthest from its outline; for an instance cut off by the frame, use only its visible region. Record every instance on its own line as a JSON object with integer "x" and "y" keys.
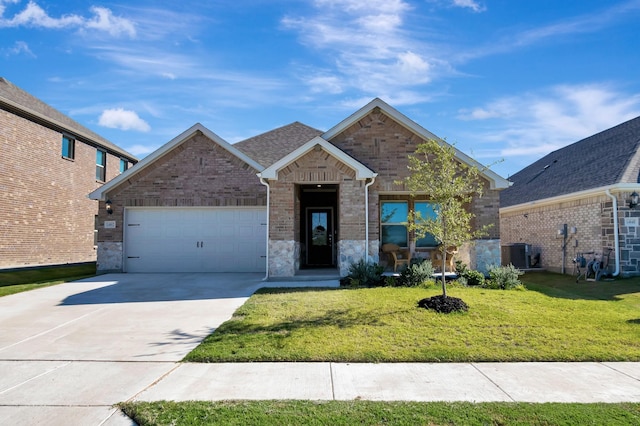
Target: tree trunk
{"x": 444, "y": 267}
{"x": 444, "y": 259}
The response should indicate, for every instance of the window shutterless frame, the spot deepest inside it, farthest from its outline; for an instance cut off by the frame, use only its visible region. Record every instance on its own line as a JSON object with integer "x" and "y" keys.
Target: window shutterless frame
{"x": 393, "y": 222}
{"x": 101, "y": 165}
{"x": 427, "y": 210}
{"x": 68, "y": 147}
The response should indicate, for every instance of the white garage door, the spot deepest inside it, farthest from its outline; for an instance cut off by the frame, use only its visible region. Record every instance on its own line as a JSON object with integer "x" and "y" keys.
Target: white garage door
{"x": 195, "y": 240}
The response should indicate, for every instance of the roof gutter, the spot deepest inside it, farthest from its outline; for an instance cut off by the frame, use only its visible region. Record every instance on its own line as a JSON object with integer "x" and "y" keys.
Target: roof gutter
{"x": 616, "y": 235}
{"x": 618, "y": 187}
{"x": 266, "y": 183}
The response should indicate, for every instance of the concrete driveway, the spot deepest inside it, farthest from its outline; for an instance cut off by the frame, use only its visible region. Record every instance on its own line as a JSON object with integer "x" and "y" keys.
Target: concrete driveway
{"x": 68, "y": 352}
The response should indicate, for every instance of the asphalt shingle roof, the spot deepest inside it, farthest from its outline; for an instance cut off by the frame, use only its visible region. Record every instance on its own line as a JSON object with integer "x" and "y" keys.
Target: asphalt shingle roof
{"x": 14, "y": 97}
{"x": 593, "y": 162}
{"x": 269, "y": 147}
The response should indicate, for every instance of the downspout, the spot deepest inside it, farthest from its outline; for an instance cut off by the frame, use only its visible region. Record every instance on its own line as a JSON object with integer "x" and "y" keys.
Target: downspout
{"x": 265, "y": 183}
{"x": 616, "y": 237}
{"x": 366, "y": 218}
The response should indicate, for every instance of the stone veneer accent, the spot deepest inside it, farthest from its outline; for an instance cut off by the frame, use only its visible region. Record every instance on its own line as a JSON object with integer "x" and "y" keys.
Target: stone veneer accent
{"x": 284, "y": 258}
{"x": 349, "y": 251}
{"x": 110, "y": 256}
{"x": 485, "y": 254}
{"x": 374, "y": 251}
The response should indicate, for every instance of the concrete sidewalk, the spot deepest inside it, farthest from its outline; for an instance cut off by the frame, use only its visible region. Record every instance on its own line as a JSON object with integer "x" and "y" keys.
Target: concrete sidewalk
{"x": 474, "y": 382}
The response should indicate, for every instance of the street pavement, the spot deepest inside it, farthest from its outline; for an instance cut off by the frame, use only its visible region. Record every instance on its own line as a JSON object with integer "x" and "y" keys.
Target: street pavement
{"x": 71, "y": 351}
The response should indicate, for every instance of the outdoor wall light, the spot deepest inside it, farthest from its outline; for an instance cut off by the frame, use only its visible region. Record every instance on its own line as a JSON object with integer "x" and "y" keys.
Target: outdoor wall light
{"x": 109, "y": 207}
{"x": 633, "y": 201}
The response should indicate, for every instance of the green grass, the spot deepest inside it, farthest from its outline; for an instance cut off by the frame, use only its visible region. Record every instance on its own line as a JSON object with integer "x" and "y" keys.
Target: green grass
{"x": 555, "y": 320}
{"x": 19, "y": 280}
{"x": 283, "y": 413}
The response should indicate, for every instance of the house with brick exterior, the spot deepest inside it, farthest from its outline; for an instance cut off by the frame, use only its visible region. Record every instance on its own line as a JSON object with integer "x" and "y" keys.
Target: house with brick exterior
{"x": 578, "y": 200}
{"x": 284, "y": 202}
{"x": 48, "y": 165}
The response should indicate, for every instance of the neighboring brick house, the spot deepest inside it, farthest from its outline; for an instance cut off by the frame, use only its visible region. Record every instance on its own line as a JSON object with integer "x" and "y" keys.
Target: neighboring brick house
{"x": 48, "y": 165}
{"x": 586, "y": 186}
{"x": 293, "y": 198}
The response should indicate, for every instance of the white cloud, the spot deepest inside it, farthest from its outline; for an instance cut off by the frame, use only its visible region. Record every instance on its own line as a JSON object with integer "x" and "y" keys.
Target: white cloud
{"x": 141, "y": 150}
{"x": 538, "y": 123}
{"x": 122, "y": 119}
{"x": 35, "y": 16}
{"x": 325, "y": 84}
{"x": 104, "y": 20}
{"x": 19, "y": 48}
{"x": 580, "y": 24}
{"x": 471, "y": 4}
{"x": 370, "y": 49}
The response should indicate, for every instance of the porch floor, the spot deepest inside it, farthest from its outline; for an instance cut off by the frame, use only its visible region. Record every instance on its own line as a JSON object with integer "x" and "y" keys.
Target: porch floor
{"x": 312, "y": 274}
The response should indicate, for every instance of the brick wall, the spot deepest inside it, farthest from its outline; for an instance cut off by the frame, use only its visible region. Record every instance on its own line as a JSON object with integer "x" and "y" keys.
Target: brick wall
{"x": 196, "y": 173}
{"x": 317, "y": 166}
{"x": 539, "y": 227}
{"x": 383, "y": 145}
{"x": 45, "y": 215}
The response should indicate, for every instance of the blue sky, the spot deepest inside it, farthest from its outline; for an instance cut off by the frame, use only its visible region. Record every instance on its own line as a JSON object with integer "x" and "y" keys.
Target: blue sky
{"x": 507, "y": 80}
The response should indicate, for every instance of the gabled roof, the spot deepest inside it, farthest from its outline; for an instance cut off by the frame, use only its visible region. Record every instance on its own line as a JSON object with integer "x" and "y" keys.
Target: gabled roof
{"x": 362, "y": 172}
{"x": 269, "y": 147}
{"x": 604, "y": 159}
{"x": 495, "y": 180}
{"x": 22, "y": 103}
{"x": 99, "y": 194}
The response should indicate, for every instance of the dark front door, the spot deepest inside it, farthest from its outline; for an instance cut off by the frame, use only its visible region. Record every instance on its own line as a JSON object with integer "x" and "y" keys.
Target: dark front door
{"x": 320, "y": 236}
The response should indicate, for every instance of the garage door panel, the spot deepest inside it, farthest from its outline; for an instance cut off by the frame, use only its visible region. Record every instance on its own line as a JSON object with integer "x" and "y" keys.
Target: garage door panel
{"x": 195, "y": 240}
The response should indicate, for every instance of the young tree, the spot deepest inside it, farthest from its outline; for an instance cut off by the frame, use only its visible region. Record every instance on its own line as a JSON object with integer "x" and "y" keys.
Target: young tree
{"x": 449, "y": 184}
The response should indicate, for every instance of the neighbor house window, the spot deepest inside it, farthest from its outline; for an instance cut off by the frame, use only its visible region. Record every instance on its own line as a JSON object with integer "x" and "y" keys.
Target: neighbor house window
{"x": 427, "y": 211}
{"x": 101, "y": 165}
{"x": 124, "y": 165}
{"x": 68, "y": 147}
{"x": 393, "y": 221}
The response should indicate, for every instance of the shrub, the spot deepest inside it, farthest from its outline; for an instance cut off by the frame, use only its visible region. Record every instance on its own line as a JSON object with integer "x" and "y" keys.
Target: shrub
{"x": 390, "y": 281}
{"x": 473, "y": 277}
{"x": 504, "y": 278}
{"x": 416, "y": 274}
{"x": 468, "y": 276}
{"x": 461, "y": 267}
{"x": 363, "y": 273}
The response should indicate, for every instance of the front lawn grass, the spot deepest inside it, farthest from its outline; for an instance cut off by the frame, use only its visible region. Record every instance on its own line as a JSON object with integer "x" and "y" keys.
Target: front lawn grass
{"x": 555, "y": 320}
{"x": 377, "y": 413}
{"x": 19, "y": 280}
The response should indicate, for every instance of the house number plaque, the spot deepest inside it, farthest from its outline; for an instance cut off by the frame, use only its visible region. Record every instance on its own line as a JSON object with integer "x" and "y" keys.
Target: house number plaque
{"x": 109, "y": 224}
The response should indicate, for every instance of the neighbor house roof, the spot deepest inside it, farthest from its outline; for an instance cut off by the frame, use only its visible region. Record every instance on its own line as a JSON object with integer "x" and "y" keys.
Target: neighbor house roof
{"x": 19, "y": 102}
{"x": 604, "y": 159}
{"x": 269, "y": 147}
